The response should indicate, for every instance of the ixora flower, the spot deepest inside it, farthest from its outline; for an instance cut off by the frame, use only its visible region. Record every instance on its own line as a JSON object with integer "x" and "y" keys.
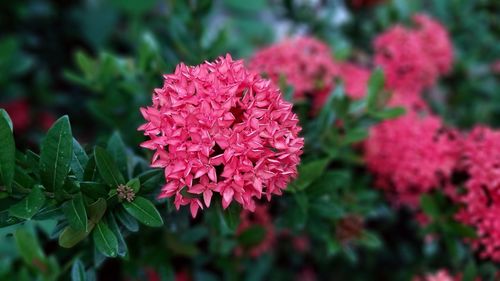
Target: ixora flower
{"x": 410, "y": 156}
{"x": 441, "y": 275}
{"x": 414, "y": 58}
{"x": 304, "y": 62}
{"x": 480, "y": 203}
{"x": 218, "y": 127}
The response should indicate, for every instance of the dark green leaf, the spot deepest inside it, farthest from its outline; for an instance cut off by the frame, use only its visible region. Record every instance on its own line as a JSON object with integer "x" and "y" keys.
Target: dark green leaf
{"x": 30, "y": 205}
{"x": 78, "y": 271}
{"x": 29, "y": 247}
{"x": 375, "y": 86}
{"x": 22, "y": 180}
{"x": 135, "y": 184}
{"x": 97, "y": 210}
{"x": 90, "y": 170}
{"x": 231, "y": 216}
{"x": 113, "y": 226}
{"x": 127, "y": 220}
{"x": 105, "y": 240}
{"x": 389, "y": 113}
{"x": 430, "y": 206}
{"x": 6, "y": 116}
{"x": 94, "y": 190}
{"x": 7, "y": 151}
{"x": 75, "y": 213}
{"x": 118, "y": 153}
{"x": 56, "y": 154}
{"x": 252, "y": 236}
{"x": 70, "y": 237}
{"x": 144, "y": 211}
{"x": 79, "y": 160}
{"x": 107, "y": 168}
{"x": 308, "y": 172}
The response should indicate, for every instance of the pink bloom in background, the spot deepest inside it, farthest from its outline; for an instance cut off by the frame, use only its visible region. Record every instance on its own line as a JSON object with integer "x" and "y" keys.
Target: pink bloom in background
{"x": 480, "y": 204}
{"x": 410, "y": 156}
{"x": 259, "y": 218}
{"x": 355, "y": 79}
{"x": 414, "y": 58}
{"x": 19, "y": 112}
{"x": 441, "y": 275}
{"x": 305, "y": 63}
{"x": 218, "y": 127}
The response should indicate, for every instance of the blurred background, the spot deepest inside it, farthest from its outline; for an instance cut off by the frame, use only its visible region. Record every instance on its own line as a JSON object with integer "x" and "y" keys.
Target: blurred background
{"x": 98, "y": 61}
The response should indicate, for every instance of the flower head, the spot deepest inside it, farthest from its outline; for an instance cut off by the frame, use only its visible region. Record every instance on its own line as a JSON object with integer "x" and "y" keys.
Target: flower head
{"x": 410, "y": 156}
{"x": 480, "y": 204}
{"x": 441, "y": 275}
{"x": 305, "y": 63}
{"x": 218, "y": 127}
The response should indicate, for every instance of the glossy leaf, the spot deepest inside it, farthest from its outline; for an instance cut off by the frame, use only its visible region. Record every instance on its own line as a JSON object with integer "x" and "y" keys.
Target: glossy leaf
{"x": 7, "y": 151}
{"x": 105, "y": 240}
{"x": 75, "y": 213}
{"x": 118, "y": 152}
{"x": 78, "y": 271}
{"x": 79, "y": 160}
{"x": 144, "y": 211}
{"x": 30, "y": 205}
{"x": 107, "y": 168}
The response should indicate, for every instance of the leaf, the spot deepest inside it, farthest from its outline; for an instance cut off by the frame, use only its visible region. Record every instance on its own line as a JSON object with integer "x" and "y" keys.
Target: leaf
{"x": 135, "y": 184}
{"x": 231, "y": 217}
{"x": 107, "y": 168}
{"x": 78, "y": 271}
{"x": 5, "y": 115}
{"x": 118, "y": 152}
{"x": 122, "y": 246}
{"x": 75, "y": 213}
{"x": 79, "y": 160}
{"x": 29, "y": 247}
{"x": 30, "y": 205}
{"x": 22, "y": 180}
{"x": 308, "y": 172}
{"x": 375, "y": 86}
{"x": 389, "y": 113}
{"x": 105, "y": 240}
{"x": 7, "y": 151}
{"x": 70, "y": 237}
{"x": 97, "y": 210}
{"x": 252, "y": 236}
{"x": 56, "y": 154}
{"x": 355, "y": 135}
{"x": 94, "y": 190}
{"x": 90, "y": 170}
{"x": 144, "y": 211}
{"x": 429, "y": 206}
{"x": 127, "y": 220}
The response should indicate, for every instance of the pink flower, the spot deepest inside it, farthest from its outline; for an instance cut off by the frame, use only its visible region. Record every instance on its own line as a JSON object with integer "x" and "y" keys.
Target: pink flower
{"x": 219, "y": 128}
{"x": 305, "y": 63}
{"x": 480, "y": 204}
{"x": 414, "y": 58}
{"x": 260, "y": 218}
{"x": 410, "y": 156}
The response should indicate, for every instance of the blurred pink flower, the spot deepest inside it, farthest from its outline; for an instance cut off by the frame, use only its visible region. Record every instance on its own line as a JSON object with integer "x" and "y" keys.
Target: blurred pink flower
{"x": 411, "y": 155}
{"x": 304, "y": 62}
{"x": 480, "y": 204}
{"x": 218, "y": 127}
{"x": 441, "y": 275}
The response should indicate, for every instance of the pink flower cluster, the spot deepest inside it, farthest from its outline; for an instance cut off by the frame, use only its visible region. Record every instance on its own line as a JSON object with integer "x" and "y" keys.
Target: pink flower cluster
{"x": 413, "y": 59}
{"x": 304, "y": 62}
{"x": 218, "y": 127}
{"x": 480, "y": 203}
{"x": 260, "y": 218}
{"x": 411, "y": 155}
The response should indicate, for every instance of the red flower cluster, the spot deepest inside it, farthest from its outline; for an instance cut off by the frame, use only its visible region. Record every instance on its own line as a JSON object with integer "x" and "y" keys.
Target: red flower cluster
{"x": 412, "y": 59}
{"x": 218, "y": 127}
{"x": 480, "y": 203}
{"x": 410, "y": 156}
{"x": 259, "y": 218}
{"x": 441, "y": 275}
{"x": 305, "y": 63}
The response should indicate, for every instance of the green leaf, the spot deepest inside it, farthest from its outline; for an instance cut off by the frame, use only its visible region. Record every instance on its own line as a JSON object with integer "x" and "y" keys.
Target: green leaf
{"x": 75, "y": 213}
{"x": 252, "y": 236}
{"x": 22, "y": 180}
{"x": 5, "y": 115}
{"x": 105, "y": 240}
{"x": 122, "y": 246}
{"x": 94, "y": 190}
{"x": 78, "y": 271}
{"x": 429, "y": 206}
{"x": 389, "y": 113}
{"x": 135, "y": 184}
{"x": 144, "y": 211}
{"x": 79, "y": 160}
{"x": 29, "y": 247}
{"x": 7, "y": 151}
{"x": 70, "y": 237}
{"x": 355, "y": 135}
{"x": 90, "y": 170}
{"x": 127, "y": 220}
{"x": 107, "y": 168}
{"x": 118, "y": 152}
{"x": 97, "y": 210}
{"x": 375, "y": 86}
{"x": 308, "y": 172}
{"x": 30, "y": 205}
{"x": 231, "y": 217}
{"x": 56, "y": 154}
{"x": 470, "y": 271}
